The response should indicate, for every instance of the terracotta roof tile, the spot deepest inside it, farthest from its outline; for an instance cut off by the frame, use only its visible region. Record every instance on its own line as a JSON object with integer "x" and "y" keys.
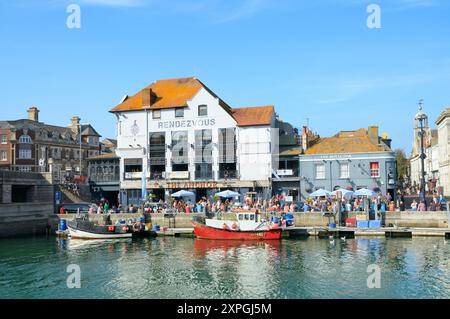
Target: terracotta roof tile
{"x": 346, "y": 142}
{"x": 168, "y": 93}
{"x": 249, "y": 116}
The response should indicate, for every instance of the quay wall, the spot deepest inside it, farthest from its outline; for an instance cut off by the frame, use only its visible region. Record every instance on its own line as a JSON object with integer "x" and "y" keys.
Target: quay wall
{"x": 398, "y": 219}
{"x": 25, "y": 219}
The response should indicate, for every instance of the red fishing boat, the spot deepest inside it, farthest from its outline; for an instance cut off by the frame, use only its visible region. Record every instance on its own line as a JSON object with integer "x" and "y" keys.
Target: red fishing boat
{"x": 247, "y": 226}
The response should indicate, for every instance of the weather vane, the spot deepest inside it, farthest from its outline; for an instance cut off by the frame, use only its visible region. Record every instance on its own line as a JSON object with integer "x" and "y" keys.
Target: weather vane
{"x": 420, "y": 104}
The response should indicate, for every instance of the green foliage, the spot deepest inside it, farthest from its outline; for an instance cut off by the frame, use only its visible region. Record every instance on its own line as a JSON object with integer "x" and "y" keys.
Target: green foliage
{"x": 402, "y": 164}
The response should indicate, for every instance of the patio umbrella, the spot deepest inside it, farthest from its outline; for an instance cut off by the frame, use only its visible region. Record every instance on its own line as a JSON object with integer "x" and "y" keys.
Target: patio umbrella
{"x": 345, "y": 193}
{"x": 228, "y": 194}
{"x": 364, "y": 192}
{"x": 320, "y": 193}
{"x": 182, "y": 193}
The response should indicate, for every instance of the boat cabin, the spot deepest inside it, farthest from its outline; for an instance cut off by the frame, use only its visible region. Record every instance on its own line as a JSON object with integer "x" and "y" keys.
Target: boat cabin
{"x": 253, "y": 216}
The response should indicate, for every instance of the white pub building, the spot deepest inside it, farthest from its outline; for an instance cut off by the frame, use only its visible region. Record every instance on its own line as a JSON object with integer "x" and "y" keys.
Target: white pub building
{"x": 177, "y": 134}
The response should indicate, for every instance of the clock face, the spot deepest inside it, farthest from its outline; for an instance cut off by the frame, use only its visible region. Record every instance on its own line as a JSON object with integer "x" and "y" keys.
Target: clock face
{"x": 134, "y": 129}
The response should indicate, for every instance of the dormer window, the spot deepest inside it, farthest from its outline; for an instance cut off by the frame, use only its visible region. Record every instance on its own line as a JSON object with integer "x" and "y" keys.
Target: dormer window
{"x": 202, "y": 110}
{"x": 179, "y": 112}
{"x": 156, "y": 114}
{"x": 25, "y": 139}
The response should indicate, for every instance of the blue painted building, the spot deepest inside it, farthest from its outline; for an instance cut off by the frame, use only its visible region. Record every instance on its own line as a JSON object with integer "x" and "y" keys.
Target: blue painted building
{"x": 351, "y": 160}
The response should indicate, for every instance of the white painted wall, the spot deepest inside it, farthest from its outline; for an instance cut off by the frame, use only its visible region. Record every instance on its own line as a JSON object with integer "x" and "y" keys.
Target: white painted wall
{"x": 254, "y": 151}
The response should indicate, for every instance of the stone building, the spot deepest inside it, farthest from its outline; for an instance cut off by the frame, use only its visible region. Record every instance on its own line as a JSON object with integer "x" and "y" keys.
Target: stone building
{"x": 29, "y": 145}
{"x": 443, "y": 124}
{"x": 437, "y": 152}
{"x": 351, "y": 160}
{"x": 104, "y": 173}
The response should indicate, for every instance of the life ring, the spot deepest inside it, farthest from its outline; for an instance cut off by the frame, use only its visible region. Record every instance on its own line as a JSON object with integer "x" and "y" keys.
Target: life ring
{"x": 234, "y": 226}
{"x": 125, "y": 228}
{"x": 225, "y": 226}
{"x": 137, "y": 227}
{"x": 111, "y": 228}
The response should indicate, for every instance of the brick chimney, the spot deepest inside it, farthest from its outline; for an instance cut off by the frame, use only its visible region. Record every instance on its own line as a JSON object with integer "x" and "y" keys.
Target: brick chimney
{"x": 372, "y": 132}
{"x": 33, "y": 114}
{"x": 147, "y": 97}
{"x": 305, "y": 138}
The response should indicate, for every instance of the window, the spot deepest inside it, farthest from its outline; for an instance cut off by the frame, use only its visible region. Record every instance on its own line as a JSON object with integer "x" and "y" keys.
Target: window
{"x": 92, "y": 140}
{"x": 203, "y": 146}
{"x": 156, "y": 114}
{"x": 4, "y": 139}
{"x": 180, "y": 147}
{"x": 24, "y": 154}
{"x": 3, "y": 156}
{"x": 179, "y": 112}
{"x": 202, "y": 110}
{"x": 320, "y": 171}
{"x": 344, "y": 170}
{"x": 375, "y": 169}
{"x": 25, "y": 139}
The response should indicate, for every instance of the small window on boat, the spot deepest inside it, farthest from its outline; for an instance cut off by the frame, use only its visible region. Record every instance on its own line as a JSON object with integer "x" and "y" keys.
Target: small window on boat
{"x": 241, "y": 217}
{"x": 252, "y": 217}
{"x": 246, "y": 217}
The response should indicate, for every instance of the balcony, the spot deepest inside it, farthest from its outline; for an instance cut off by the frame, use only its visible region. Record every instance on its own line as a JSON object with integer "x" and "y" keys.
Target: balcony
{"x": 133, "y": 175}
{"x": 203, "y": 176}
{"x": 104, "y": 178}
{"x": 228, "y": 174}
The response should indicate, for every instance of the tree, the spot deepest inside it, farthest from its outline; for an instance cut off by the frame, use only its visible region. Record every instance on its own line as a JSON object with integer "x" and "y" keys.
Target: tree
{"x": 402, "y": 165}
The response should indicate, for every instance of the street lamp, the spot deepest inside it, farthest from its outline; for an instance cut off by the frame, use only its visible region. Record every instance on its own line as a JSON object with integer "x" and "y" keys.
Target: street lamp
{"x": 421, "y": 117}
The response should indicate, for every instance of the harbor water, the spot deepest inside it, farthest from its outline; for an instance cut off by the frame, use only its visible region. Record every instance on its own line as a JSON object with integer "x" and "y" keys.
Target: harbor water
{"x": 184, "y": 268}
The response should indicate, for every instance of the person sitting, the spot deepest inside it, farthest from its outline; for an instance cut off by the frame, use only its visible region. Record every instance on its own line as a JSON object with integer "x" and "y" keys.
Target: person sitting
{"x": 414, "y": 206}
{"x": 421, "y": 207}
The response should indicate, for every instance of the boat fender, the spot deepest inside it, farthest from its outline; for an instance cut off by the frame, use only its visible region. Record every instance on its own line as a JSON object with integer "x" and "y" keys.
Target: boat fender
{"x": 225, "y": 226}
{"x": 137, "y": 227}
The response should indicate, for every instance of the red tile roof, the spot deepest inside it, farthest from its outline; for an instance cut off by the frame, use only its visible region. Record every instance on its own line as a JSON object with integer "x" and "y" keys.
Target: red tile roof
{"x": 168, "y": 93}
{"x": 173, "y": 93}
{"x": 250, "y": 116}
{"x": 346, "y": 142}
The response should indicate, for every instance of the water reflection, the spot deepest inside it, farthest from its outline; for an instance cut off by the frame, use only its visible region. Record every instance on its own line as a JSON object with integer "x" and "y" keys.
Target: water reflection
{"x": 187, "y": 268}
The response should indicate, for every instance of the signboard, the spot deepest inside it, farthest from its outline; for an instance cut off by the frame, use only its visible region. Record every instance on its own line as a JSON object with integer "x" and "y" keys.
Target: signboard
{"x": 190, "y": 185}
{"x": 179, "y": 175}
{"x": 134, "y": 175}
{"x": 289, "y": 199}
{"x": 285, "y": 172}
{"x": 186, "y": 123}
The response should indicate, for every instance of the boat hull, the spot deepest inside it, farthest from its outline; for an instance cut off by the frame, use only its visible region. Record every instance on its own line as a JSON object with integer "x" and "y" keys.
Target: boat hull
{"x": 81, "y": 234}
{"x": 206, "y": 232}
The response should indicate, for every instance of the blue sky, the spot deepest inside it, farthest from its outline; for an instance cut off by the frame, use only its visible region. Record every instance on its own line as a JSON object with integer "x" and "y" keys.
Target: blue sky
{"x": 311, "y": 59}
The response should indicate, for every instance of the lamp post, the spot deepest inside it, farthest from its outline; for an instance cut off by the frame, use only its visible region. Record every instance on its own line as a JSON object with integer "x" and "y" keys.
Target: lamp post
{"x": 421, "y": 118}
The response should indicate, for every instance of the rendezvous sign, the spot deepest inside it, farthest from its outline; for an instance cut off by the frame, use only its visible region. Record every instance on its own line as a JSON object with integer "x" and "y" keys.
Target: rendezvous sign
{"x": 186, "y": 123}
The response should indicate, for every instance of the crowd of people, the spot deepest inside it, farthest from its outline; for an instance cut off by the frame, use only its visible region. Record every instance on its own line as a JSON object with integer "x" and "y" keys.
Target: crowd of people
{"x": 278, "y": 204}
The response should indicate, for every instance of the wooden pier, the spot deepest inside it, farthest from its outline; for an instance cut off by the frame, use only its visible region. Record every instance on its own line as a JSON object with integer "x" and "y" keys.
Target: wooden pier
{"x": 176, "y": 232}
{"x": 347, "y": 232}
